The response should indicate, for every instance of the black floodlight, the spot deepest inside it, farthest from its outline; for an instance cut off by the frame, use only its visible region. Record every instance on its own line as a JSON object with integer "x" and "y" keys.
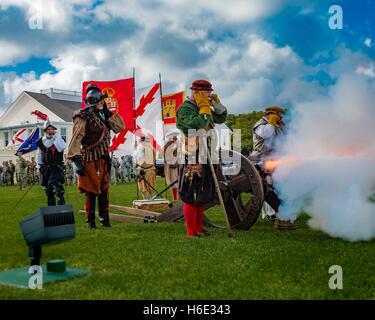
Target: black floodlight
{"x": 46, "y": 225}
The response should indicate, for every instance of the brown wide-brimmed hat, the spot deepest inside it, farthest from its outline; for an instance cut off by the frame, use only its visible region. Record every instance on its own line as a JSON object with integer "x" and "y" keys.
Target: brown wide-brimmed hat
{"x": 201, "y": 85}
{"x": 275, "y": 108}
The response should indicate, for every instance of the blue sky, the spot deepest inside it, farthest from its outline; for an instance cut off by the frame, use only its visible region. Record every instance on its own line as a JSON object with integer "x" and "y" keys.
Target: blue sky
{"x": 255, "y": 52}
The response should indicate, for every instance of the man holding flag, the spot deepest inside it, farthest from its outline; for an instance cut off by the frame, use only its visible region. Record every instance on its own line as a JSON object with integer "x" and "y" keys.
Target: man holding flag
{"x": 91, "y": 130}
{"x": 51, "y": 164}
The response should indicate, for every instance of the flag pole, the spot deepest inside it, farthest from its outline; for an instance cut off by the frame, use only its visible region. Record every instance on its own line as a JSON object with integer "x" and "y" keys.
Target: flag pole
{"x": 161, "y": 106}
{"x": 135, "y": 124}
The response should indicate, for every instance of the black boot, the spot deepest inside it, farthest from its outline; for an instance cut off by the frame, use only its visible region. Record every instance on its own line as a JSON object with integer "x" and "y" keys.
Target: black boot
{"x": 59, "y": 191}
{"x": 90, "y": 210}
{"x": 51, "y": 201}
{"x": 103, "y": 200}
{"x": 61, "y": 200}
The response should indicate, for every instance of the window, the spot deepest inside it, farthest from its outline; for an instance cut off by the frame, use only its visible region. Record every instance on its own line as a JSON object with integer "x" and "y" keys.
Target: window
{"x": 63, "y": 133}
{"x": 6, "y": 138}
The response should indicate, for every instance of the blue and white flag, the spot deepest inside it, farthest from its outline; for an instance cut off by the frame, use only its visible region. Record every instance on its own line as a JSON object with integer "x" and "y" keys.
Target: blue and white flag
{"x": 30, "y": 143}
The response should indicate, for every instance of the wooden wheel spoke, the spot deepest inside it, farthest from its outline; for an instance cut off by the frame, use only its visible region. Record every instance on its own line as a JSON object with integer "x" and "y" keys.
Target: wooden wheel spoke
{"x": 240, "y": 184}
{"x": 243, "y": 195}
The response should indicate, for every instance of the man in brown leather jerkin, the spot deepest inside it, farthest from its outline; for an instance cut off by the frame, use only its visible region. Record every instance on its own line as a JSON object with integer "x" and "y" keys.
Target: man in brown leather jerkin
{"x": 88, "y": 149}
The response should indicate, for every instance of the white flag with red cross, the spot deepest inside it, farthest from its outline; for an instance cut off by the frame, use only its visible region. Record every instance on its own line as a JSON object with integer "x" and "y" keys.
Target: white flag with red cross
{"x": 148, "y": 120}
{"x": 18, "y": 138}
{"x": 148, "y": 114}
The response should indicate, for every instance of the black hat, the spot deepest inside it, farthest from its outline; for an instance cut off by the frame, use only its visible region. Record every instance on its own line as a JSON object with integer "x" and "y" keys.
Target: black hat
{"x": 92, "y": 86}
{"x": 93, "y": 97}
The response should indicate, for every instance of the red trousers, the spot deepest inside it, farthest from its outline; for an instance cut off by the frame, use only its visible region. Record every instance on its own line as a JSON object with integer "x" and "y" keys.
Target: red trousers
{"x": 194, "y": 218}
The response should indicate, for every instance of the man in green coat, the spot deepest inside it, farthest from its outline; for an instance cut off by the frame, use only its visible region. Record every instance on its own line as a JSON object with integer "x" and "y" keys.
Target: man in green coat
{"x": 198, "y": 111}
{"x": 196, "y": 187}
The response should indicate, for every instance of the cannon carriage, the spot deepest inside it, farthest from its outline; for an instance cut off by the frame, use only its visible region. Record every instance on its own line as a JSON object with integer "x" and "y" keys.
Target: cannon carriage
{"x": 243, "y": 194}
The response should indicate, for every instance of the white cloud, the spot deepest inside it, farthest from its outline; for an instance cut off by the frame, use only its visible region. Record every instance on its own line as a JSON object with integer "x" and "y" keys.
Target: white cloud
{"x": 57, "y": 15}
{"x": 76, "y": 64}
{"x": 11, "y": 52}
{"x": 257, "y": 75}
{"x": 248, "y": 72}
{"x": 307, "y": 10}
{"x": 367, "y": 71}
{"x": 188, "y": 18}
{"x": 347, "y": 62}
{"x": 239, "y": 10}
{"x": 368, "y": 42}
{"x": 252, "y": 94}
{"x": 250, "y": 66}
{"x": 243, "y": 77}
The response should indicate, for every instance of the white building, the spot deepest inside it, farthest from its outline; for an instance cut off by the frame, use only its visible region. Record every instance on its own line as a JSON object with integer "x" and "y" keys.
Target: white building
{"x": 59, "y": 105}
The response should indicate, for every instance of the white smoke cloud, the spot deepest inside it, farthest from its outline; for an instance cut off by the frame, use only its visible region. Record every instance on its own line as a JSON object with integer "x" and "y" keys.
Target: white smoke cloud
{"x": 329, "y": 167}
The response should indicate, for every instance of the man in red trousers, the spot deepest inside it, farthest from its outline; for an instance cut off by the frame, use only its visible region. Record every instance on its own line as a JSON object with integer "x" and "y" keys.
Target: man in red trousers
{"x": 196, "y": 186}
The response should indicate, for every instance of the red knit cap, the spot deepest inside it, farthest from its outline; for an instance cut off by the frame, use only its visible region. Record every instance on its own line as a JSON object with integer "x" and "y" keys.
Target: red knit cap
{"x": 201, "y": 85}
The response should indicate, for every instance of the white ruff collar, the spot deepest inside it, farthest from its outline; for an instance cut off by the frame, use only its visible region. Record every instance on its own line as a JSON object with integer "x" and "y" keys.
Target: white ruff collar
{"x": 47, "y": 142}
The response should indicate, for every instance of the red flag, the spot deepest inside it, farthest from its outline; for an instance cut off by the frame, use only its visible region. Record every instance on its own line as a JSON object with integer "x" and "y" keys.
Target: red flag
{"x": 171, "y": 103}
{"x": 120, "y": 98}
{"x": 40, "y": 115}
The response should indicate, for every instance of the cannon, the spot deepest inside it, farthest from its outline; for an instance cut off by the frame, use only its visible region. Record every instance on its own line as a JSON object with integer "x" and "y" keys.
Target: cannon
{"x": 243, "y": 196}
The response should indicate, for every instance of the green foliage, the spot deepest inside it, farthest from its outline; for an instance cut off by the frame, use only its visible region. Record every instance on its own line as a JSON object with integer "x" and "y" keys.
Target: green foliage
{"x": 156, "y": 261}
{"x": 245, "y": 122}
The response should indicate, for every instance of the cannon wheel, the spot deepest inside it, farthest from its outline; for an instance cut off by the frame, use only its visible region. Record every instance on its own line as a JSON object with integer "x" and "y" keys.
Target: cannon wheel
{"x": 243, "y": 197}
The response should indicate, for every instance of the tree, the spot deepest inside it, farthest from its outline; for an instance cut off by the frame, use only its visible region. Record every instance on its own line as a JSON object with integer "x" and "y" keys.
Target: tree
{"x": 245, "y": 122}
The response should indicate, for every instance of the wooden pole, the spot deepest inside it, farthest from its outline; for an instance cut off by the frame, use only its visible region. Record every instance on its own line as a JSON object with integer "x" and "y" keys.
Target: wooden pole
{"x": 135, "y": 124}
{"x": 230, "y": 231}
{"x": 161, "y": 106}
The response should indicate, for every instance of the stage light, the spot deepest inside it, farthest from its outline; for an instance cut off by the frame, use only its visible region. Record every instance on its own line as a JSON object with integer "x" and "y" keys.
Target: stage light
{"x": 47, "y": 225}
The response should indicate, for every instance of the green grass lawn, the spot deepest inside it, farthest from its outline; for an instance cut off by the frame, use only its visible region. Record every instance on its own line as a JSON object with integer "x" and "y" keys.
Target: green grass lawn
{"x": 156, "y": 261}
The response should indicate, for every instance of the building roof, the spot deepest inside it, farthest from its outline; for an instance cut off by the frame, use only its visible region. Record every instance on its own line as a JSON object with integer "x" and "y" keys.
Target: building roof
{"x": 62, "y": 108}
